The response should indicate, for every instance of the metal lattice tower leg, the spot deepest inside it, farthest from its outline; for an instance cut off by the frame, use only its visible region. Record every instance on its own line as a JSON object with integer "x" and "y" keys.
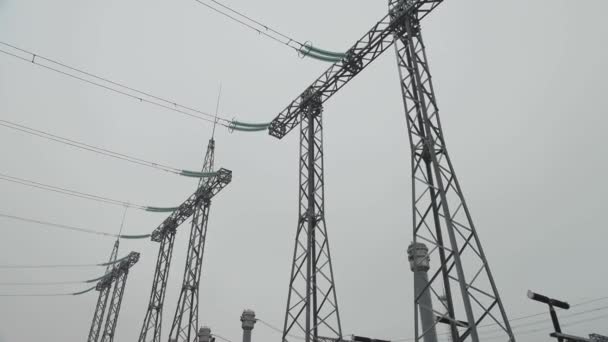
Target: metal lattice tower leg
{"x": 441, "y": 218}
{"x": 185, "y": 322}
{"x": 100, "y": 309}
{"x": 151, "y": 329}
{"x": 312, "y": 306}
{"x": 114, "y": 310}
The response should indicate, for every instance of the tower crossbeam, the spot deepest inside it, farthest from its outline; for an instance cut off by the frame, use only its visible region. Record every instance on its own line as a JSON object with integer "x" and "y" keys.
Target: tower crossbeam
{"x": 369, "y": 47}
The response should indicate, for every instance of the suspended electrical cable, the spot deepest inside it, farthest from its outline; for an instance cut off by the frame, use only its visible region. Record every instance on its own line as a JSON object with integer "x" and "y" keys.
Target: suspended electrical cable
{"x": 277, "y": 329}
{"x": 567, "y": 324}
{"x": 100, "y": 150}
{"x": 583, "y": 303}
{"x": 536, "y": 322}
{"x": 74, "y": 229}
{"x": 45, "y": 283}
{"x": 107, "y": 84}
{"x": 84, "y": 195}
{"x": 48, "y": 294}
{"x": 261, "y": 29}
{"x": 68, "y": 192}
{"x": 37, "y": 266}
{"x": 303, "y": 49}
{"x": 220, "y": 337}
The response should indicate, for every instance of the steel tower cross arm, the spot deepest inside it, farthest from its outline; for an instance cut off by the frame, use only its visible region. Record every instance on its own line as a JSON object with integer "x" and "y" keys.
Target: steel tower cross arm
{"x": 360, "y": 55}
{"x": 186, "y": 209}
{"x": 125, "y": 264}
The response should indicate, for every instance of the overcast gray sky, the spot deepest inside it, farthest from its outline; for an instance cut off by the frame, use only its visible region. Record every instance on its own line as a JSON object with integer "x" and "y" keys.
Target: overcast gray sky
{"x": 522, "y": 90}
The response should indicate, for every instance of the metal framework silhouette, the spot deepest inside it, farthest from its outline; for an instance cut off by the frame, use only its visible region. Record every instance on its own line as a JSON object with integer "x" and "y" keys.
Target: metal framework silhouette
{"x": 185, "y": 321}
{"x": 116, "y": 279}
{"x": 165, "y": 235}
{"x": 312, "y": 306}
{"x": 441, "y": 217}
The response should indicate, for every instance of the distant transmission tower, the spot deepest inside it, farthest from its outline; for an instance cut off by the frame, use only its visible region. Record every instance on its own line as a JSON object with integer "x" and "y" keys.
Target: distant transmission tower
{"x": 185, "y": 322}
{"x": 441, "y": 217}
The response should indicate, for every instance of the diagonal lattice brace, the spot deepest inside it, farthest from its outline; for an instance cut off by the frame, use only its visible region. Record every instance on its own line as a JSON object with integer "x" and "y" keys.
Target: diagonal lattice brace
{"x": 461, "y": 268}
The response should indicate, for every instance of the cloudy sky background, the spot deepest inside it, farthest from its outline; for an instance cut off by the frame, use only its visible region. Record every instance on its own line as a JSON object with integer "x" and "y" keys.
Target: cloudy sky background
{"x": 521, "y": 88}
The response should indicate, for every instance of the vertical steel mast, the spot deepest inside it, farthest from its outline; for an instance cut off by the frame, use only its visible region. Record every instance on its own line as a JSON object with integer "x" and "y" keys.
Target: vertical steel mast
{"x": 441, "y": 217}
{"x": 151, "y": 328}
{"x": 102, "y": 299}
{"x": 117, "y": 277}
{"x": 312, "y": 306}
{"x": 115, "y": 303}
{"x": 100, "y": 309}
{"x": 185, "y": 322}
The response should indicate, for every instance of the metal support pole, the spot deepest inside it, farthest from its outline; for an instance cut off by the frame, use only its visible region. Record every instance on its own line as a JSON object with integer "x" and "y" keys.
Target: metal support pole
{"x": 100, "y": 309}
{"x": 185, "y": 321}
{"x": 439, "y": 207}
{"x": 312, "y": 304}
{"x": 114, "y": 310}
{"x": 151, "y": 328}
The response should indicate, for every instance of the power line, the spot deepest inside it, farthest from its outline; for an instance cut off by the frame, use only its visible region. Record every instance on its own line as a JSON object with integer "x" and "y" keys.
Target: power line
{"x": 38, "y": 266}
{"x": 107, "y": 84}
{"x": 537, "y": 322}
{"x": 251, "y": 23}
{"x": 592, "y": 300}
{"x": 45, "y": 283}
{"x": 72, "y": 228}
{"x": 87, "y": 147}
{"x": 527, "y": 332}
{"x": 277, "y": 329}
{"x": 47, "y": 294}
{"x": 69, "y": 192}
{"x": 221, "y": 338}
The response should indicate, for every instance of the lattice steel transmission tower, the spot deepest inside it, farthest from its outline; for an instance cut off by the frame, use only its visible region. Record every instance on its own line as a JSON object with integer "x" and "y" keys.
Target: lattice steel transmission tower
{"x": 118, "y": 278}
{"x": 441, "y": 217}
{"x": 165, "y": 235}
{"x": 185, "y": 321}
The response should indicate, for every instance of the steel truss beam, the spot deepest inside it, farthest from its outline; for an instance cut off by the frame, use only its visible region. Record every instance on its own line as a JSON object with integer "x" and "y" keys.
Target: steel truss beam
{"x": 117, "y": 276}
{"x": 441, "y": 218}
{"x": 185, "y": 321}
{"x": 358, "y": 57}
{"x": 312, "y": 306}
{"x": 165, "y": 234}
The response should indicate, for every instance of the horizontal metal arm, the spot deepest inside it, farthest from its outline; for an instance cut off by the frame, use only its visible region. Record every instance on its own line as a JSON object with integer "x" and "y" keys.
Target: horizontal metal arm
{"x": 186, "y": 209}
{"x": 126, "y": 263}
{"x": 366, "y": 50}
